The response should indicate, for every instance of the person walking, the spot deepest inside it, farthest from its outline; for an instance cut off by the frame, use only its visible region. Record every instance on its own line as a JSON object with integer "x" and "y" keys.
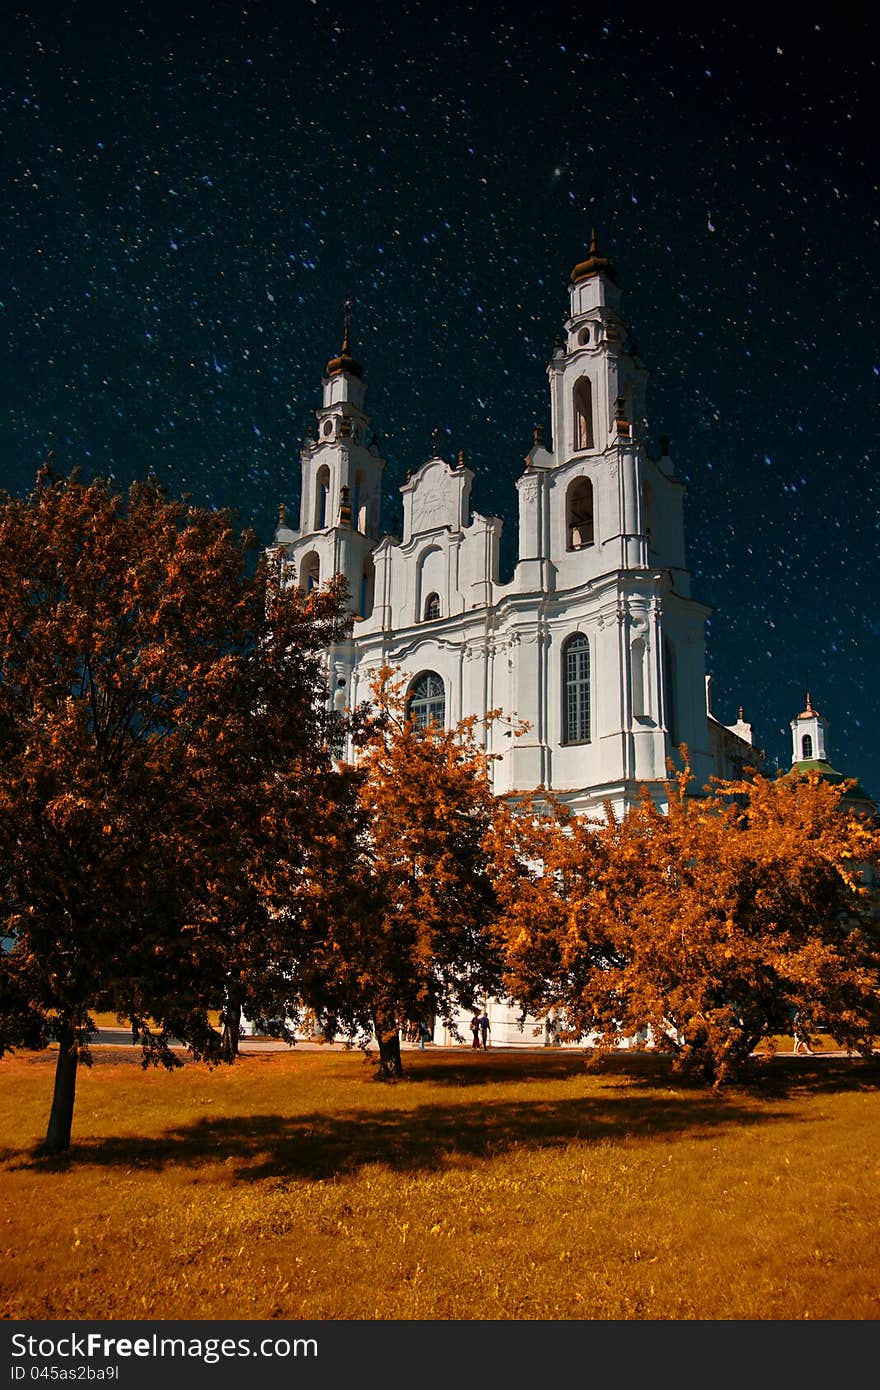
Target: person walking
{"x": 484, "y": 1029}
{"x": 801, "y": 1045}
{"x": 475, "y": 1030}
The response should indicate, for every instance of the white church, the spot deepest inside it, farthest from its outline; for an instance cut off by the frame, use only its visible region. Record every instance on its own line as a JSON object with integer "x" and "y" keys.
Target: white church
{"x": 596, "y": 643}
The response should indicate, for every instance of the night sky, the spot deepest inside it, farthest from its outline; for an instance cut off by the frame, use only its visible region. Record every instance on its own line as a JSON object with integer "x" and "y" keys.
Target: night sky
{"x": 196, "y": 188}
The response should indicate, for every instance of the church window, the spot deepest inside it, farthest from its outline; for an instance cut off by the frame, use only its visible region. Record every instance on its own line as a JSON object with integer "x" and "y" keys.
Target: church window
{"x": 584, "y": 337}
{"x": 579, "y": 514}
{"x": 328, "y": 427}
{"x": 368, "y": 585}
{"x": 321, "y": 497}
{"x": 427, "y": 700}
{"x": 310, "y": 572}
{"x": 583, "y": 414}
{"x": 806, "y": 746}
{"x": 431, "y": 583}
{"x": 576, "y": 689}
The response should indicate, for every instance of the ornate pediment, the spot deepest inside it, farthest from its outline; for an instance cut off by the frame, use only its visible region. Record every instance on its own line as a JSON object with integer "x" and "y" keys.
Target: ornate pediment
{"x": 435, "y": 497}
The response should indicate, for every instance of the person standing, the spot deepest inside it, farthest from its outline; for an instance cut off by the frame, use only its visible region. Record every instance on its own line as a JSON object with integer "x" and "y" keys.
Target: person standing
{"x": 484, "y": 1029}
{"x": 475, "y": 1029}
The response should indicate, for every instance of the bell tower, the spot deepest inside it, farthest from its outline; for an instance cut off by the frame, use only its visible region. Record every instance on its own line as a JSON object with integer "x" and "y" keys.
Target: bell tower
{"x": 597, "y": 384}
{"x": 607, "y": 492}
{"x": 341, "y": 489}
{"x": 621, "y": 670}
{"x": 809, "y": 736}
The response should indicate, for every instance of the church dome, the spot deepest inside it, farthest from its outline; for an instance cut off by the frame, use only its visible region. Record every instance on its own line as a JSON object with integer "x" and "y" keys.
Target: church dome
{"x": 344, "y": 362}
{"x": 593, "y": 265}
{"x": 810, "y": 731}
{"x": 809, "y": 712}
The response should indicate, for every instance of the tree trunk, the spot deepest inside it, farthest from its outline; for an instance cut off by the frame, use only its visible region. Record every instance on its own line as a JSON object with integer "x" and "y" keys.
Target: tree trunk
{"x": 388, "y": 1037}
{"x": 61, "y": 1116}
{"x": 231, "y": 1029}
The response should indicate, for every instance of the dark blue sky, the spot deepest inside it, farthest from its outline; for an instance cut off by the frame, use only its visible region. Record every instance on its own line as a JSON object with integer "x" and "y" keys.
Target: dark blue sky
{"x": 196, "y": 188}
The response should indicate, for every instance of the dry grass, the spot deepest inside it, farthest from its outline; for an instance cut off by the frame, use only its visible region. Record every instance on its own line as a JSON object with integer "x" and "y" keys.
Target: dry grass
{"x": 488, "y": 1186}
{"x": 111, "y": 1020}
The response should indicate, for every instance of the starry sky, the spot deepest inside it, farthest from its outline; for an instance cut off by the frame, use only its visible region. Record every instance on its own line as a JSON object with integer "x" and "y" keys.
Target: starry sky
{"x": 194, "y": 189}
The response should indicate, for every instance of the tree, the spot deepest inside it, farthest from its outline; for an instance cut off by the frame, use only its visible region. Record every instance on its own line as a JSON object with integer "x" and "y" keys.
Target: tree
{"x": 406, "y": 934}
{"x": 711, "y": 925}
{"x": 163, "y": 726}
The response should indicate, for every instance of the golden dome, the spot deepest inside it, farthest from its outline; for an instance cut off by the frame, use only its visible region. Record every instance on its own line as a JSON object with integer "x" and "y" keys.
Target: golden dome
{"x": 809, "y": 712}
{"x": 593, "y": 265}
{"x": 344, "y": 362}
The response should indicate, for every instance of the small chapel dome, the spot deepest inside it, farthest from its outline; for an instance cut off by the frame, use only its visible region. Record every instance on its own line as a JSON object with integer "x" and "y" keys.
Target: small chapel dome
{"x": 809, "y": 712}
{"x": 593, "y": 265}
{"x": 810, "y": 754}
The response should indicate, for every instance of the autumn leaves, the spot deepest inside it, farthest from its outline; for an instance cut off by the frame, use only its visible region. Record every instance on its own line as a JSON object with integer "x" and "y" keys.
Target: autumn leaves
{"x": 164, "y": 736}
{"x": 178, "y": 834}
{"x": 702, "y": 930}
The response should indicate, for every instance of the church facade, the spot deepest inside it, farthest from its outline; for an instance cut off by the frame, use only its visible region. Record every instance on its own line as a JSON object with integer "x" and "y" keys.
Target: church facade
{"x": 596, "y": 644}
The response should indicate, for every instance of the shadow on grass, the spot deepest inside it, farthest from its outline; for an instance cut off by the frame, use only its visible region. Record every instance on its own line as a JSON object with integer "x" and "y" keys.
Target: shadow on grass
{"x": 641, "y": 1098}
{"x": 484, "y": 1068}
{"x": 785, "y": 1076}
{"x": 426, "y": 1138}
{"x": 772, "y": 1078}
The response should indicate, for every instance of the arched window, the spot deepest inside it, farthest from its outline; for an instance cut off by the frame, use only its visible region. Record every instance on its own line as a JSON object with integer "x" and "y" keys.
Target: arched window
{"x": 579, "y": 527}
{"x": 427, "y": 700}
{"x": 576, "y": 690}
{"x": 431, "y": 581}
{"x": 322, "y": 493}
{"x": 623, "y": 420}
{"x": 806, "y": 746}
{"x": 310, "y": 572}
{"x": 368, "y": 585}
{"x": 583, "y": 414}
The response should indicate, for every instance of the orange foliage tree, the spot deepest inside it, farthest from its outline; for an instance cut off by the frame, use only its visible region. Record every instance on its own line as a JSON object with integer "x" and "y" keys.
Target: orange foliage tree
{"x": 164, "y": 730}
{"x": 711, "y": 925}
{"x": 406, "y": 934}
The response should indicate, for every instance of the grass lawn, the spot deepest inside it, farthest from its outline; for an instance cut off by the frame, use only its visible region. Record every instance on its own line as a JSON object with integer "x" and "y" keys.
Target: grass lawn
{"x": 482, "y": 1186}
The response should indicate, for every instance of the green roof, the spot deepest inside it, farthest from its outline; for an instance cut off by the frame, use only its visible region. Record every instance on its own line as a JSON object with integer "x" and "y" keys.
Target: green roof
{"x": 856, "y": 794}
